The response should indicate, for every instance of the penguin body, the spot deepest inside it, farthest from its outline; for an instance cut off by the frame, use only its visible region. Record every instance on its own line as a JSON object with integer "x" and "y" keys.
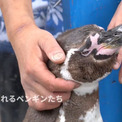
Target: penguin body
{"x": 90, "y": 55}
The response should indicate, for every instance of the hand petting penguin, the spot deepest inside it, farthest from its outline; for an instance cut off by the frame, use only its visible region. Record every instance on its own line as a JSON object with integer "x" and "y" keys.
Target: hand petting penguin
{"x": 91, "y": 53}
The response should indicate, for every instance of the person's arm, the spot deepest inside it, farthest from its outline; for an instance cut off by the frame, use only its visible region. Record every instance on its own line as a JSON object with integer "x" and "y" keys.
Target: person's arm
{"x": 117, "y": 20}
{"x": 32, "y": 47}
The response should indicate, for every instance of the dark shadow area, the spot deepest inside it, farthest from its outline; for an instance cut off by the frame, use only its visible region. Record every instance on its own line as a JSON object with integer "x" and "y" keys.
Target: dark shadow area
{"x": 12, "y": 98}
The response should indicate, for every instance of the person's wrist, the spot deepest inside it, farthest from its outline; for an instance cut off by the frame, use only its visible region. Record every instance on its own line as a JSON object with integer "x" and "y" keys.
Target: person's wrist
{"x": 18, "y": 27}
{"x": 17, "y": 14}
{"x": 17, "y": 35}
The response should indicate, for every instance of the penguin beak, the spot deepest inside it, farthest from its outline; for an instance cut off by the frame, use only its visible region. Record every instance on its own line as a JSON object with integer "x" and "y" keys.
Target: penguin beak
{"x": 103, "y": 44}
{"x": 110, "y": 42}
{"x": 111, "y": 39}
{"x": 113, "y": 43}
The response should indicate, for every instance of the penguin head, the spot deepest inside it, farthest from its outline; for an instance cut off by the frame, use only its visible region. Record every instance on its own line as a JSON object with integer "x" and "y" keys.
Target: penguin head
{"x": 91, "y": 52}
{"x": 103, "y": 45}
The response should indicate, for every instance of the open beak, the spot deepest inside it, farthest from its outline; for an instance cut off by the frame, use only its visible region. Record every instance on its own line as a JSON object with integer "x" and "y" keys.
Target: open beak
{"x": 111, "y": 39}
{"x": 110, "y": 42}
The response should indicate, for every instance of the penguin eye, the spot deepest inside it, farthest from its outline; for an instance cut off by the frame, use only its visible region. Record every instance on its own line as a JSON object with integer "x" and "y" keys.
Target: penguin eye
{"x": 84, "y": 52}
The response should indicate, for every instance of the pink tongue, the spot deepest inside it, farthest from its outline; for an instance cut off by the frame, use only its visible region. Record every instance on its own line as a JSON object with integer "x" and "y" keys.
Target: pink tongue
{"x": 105, "y": 51}
{"x": 101, "y": 50}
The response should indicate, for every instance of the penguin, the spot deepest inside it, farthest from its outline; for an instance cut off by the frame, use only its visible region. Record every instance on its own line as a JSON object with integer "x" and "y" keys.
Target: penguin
{"x": 90, "y": 55}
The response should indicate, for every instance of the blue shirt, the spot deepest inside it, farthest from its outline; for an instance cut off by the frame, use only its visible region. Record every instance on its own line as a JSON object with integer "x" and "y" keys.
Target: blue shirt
{"x": 46, "y": 17}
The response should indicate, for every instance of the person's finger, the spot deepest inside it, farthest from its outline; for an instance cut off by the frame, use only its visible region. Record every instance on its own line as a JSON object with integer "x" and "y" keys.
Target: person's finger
{"x": 39, "y": 103}
{"x": 111, "y": 25}
{"x": 116, "y": 19}
{"x": 40, "y": 90}
{"x": 43, "y": 106}
{"x": 120, "y": 75}
{"x": 119, "y": 60}
{"x": 42, "y": 75}
{"x": 117, "y": 64}
{"x": 52, "y": 49}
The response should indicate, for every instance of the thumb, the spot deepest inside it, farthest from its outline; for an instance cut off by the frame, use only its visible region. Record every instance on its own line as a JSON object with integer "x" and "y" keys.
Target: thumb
{"x": 52, "y": 49}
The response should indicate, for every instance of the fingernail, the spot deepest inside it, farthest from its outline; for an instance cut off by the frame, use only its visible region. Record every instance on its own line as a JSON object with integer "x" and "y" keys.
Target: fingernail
{"x": 116, "y": 66}
{"x": 77, "y": 85}
{"x": 57, "y": 56}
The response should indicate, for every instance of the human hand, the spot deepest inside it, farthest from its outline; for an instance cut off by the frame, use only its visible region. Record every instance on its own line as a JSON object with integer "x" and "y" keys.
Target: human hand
{"x": 118, "y": 64}
{"x": 117, "y": 20}
{"x": 33, "y": 47}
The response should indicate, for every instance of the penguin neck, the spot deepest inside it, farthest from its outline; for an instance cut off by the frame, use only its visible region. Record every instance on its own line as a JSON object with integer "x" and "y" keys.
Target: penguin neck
{"x": 89, "y": 87}
{"x": 82, "y": 106}
{"x": 88, "y": 98}
{"x": 86, "y": 88}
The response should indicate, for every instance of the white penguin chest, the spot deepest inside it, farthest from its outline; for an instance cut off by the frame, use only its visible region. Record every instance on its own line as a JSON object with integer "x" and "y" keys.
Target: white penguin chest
{"x": 92, "y": 115}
